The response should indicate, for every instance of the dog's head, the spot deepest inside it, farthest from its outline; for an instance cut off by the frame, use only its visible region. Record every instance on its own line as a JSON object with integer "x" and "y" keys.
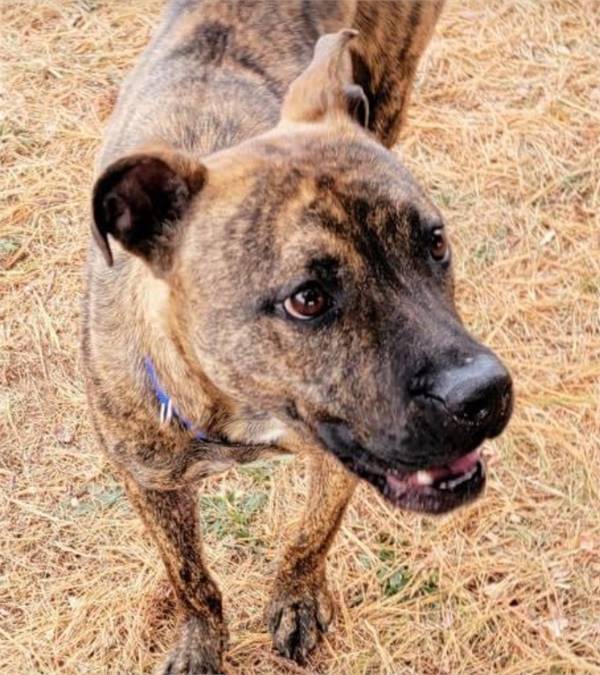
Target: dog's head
{"x": 313, "y": 284}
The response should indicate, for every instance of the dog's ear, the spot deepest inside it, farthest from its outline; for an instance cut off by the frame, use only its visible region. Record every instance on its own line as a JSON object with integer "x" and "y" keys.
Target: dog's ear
{"x": 140, "y": 199}
{"x": 326, "y": 86}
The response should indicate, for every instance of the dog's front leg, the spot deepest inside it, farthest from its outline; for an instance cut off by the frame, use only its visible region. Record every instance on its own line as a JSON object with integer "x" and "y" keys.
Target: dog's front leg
{"x": 170, "y": 517}
{"x": 301, "y": 607}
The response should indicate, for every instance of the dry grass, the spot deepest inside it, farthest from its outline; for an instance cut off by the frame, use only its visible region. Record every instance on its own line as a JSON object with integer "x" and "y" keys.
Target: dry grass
{"x": 504, "y": 132}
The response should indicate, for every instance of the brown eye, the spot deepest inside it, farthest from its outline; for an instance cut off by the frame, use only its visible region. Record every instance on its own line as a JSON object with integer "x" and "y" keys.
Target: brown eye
{"x": 307, "y": 302}
{"x": 438, "y": 244}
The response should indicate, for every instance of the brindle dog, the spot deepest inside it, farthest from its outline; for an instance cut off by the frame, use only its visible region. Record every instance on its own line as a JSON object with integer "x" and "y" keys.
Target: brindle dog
{"x": 269, "y": 278}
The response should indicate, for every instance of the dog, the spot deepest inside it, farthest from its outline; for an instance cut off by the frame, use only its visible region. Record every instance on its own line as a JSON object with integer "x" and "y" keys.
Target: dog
{"x": 266, "y": 277}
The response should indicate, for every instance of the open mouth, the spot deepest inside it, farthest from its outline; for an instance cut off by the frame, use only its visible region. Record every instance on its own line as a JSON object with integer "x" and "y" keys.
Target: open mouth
{"x": 437, "y": 489}
{"x": 432, "y": 489}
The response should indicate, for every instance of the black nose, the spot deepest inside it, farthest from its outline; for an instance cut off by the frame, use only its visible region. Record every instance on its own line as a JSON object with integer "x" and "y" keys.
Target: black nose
{"x": 478, "y": 392}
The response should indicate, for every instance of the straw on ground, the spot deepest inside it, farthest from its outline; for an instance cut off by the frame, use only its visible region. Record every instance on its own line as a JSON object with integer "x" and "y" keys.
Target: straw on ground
{"x": 504, "y": 134}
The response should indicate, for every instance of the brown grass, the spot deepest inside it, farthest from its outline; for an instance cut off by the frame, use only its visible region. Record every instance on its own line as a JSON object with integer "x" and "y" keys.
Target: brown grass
{"x": 504, "y": 132}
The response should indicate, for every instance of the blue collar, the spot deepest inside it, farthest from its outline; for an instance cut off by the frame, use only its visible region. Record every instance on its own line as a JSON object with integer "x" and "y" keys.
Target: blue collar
{"x": 168, "y": 411}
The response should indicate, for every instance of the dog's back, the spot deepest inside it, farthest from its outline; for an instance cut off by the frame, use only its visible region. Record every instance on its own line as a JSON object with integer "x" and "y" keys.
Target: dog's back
{"x": 216, "y": 70}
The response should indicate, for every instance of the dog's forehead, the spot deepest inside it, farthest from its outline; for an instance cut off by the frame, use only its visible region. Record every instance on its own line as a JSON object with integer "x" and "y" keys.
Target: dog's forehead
{"x": 298, "y": 195}
{"x": 291, "y": 166}
{"x": 354, "y": 189}
{"x": 344, "y": 154}
{"x": 338, "y": 158}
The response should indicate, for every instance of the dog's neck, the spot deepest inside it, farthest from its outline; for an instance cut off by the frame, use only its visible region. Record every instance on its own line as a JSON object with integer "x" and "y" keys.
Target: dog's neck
{"x": 173, "y": 377}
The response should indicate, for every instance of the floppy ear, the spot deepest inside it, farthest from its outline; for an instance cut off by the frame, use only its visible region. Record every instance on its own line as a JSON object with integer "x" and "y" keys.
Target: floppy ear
{"x": 139, "y": 201}
{"x": 326, "y": 86}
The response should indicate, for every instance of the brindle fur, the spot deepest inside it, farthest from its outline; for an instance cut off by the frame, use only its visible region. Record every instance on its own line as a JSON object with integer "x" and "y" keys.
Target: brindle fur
{"x": 215, "y": 74}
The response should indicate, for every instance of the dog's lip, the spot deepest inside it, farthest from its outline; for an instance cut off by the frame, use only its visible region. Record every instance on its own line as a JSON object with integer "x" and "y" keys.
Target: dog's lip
{"x": 439, "y": 488}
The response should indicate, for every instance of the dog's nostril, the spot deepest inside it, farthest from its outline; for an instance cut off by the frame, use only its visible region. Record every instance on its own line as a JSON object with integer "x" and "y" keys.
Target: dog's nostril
{"x": 418, "y": 385}
{"x": 476, "y": 409}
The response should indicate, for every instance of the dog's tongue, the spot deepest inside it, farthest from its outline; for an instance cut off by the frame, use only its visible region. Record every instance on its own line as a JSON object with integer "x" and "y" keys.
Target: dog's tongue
{"x": 428, "y": 476}
{"x": 458, "y": 466}
{"x": 464, "y": 463}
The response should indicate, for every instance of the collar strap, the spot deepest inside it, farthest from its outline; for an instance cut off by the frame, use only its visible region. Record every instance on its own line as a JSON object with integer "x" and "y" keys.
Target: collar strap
{"x": 167, "y": 411}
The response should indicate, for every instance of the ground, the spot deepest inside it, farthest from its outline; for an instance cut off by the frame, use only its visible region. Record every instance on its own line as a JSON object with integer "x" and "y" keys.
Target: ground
{"x": 504, "y": 133}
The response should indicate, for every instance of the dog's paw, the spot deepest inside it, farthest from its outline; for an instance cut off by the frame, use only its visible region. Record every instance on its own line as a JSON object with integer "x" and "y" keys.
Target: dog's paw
{"x": 199, "y": 650}
{"x": 297, "y": 617}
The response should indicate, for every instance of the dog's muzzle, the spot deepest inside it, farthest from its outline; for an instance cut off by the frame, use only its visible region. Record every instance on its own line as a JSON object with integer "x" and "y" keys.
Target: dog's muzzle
{"x": 439, "y": 466}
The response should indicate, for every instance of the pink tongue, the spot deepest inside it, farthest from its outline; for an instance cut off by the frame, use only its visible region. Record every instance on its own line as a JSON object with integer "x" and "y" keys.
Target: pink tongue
{"x": 463, "y": 464}
{"x": 458, "y": 466}
{"x": 428, "y": 476}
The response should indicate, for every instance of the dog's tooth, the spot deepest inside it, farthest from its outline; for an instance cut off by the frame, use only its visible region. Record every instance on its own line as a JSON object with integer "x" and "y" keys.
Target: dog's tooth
{"x": 424, "y": 478}
{"x": 467, "y": 476}
{"x": 462, "y": 479}
{"x": 471, "y": 473}
{"x": 455, "y": 482}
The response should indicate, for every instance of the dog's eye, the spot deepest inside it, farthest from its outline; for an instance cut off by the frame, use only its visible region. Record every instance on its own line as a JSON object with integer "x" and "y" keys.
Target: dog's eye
{"x": 438, "y": 245}
{"x": 307, "y": 302}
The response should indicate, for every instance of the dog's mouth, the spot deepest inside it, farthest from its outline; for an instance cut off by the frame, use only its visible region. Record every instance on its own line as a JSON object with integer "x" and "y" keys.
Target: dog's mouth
{"x": 437, "y": 489}
{"x": 434, "y": 488}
